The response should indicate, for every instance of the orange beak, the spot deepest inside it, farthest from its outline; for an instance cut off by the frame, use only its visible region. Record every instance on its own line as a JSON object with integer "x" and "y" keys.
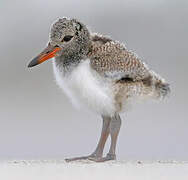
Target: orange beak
{"x": 48, "y": 53}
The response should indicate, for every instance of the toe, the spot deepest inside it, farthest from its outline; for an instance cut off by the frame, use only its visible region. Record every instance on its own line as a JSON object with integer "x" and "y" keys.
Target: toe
{"x": 92, "y": 156}
{"x": 76, "y": 158}
{"x": 108, "y": 157}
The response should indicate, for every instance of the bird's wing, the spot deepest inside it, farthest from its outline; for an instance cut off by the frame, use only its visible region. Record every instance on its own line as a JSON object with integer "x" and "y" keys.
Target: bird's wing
{"x": 114, "y": 61}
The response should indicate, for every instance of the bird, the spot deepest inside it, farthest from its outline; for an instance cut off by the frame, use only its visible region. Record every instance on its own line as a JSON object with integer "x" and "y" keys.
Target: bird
{"x": 99, "y": 74}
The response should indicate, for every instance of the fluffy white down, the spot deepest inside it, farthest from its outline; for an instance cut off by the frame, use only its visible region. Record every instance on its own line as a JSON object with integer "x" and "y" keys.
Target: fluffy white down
{"x": 86, "y": 88}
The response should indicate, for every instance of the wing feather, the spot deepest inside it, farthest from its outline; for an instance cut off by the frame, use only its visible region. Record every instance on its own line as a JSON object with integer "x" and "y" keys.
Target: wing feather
{"x": 115, "y": 61}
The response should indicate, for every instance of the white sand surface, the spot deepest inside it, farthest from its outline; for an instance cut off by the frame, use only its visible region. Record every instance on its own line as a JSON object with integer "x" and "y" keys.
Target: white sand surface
{"x": 120, "y": 170}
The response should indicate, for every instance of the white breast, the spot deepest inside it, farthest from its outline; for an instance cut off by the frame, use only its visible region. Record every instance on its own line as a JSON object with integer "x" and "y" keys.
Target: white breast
{"x": 86, "y": 88}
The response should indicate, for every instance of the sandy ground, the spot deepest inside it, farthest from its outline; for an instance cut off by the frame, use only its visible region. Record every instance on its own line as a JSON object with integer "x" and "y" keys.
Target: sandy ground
{"x": 60, "y": 170}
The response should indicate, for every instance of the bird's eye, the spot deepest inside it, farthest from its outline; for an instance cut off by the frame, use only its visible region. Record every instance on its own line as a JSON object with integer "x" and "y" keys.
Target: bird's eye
{"x": 67, "y": 38}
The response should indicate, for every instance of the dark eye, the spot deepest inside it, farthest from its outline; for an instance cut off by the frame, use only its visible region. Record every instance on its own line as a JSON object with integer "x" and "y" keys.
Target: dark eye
{"x": 67, "y": 38}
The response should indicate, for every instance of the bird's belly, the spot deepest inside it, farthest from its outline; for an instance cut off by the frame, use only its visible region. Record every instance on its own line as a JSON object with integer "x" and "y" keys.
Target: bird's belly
{"x": 87, "y": 89}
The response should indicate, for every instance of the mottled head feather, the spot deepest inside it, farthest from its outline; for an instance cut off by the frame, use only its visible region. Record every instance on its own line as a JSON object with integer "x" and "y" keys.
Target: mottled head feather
{"x": 76, "y": 47}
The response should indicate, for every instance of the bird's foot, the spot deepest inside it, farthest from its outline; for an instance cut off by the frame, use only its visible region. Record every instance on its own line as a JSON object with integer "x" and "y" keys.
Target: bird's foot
{"x": 103, "y": 159}
{"x": 92, "y": 156}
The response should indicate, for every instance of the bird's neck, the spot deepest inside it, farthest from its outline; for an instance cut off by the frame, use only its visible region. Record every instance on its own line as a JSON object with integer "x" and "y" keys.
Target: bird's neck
{"x": 71, "y": 59}
{"x": 67, "y": 64}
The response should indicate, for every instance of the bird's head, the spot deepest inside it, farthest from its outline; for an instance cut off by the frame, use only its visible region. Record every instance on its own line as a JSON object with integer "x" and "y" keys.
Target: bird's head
{"x": 68, "y": 38}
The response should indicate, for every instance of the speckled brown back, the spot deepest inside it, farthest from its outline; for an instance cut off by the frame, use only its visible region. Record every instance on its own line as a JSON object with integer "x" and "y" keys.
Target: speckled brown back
{"x": 112, "y": 59}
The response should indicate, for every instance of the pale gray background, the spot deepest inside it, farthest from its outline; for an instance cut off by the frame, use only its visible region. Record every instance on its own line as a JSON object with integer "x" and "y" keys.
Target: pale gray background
{"x": 38, "y": 122}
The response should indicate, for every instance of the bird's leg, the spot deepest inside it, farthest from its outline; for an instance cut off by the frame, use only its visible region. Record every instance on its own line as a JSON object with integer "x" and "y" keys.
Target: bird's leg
{"x": 114, "y": 128}
{"x": 114, "y": 132}
{"x": 97, "y": 154}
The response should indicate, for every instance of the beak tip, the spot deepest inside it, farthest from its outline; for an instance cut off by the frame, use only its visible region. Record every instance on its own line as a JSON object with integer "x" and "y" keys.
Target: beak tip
{"x": 34, "y": 62}
{"x": 29, "y": 66}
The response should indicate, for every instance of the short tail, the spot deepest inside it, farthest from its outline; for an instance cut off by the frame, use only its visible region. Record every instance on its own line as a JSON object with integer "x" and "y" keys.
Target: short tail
{"x": 162, "y": 89}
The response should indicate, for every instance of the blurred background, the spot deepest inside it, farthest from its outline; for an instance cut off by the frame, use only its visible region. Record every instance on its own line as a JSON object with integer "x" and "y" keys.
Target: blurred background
{"x": 37, "y": 121}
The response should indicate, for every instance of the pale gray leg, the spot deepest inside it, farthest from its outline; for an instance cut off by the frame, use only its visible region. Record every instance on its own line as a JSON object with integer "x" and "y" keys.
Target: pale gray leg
{"x": 97, "y": 154}
{"x": 114, "y": 128}
{"x": 104, "y": 135}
